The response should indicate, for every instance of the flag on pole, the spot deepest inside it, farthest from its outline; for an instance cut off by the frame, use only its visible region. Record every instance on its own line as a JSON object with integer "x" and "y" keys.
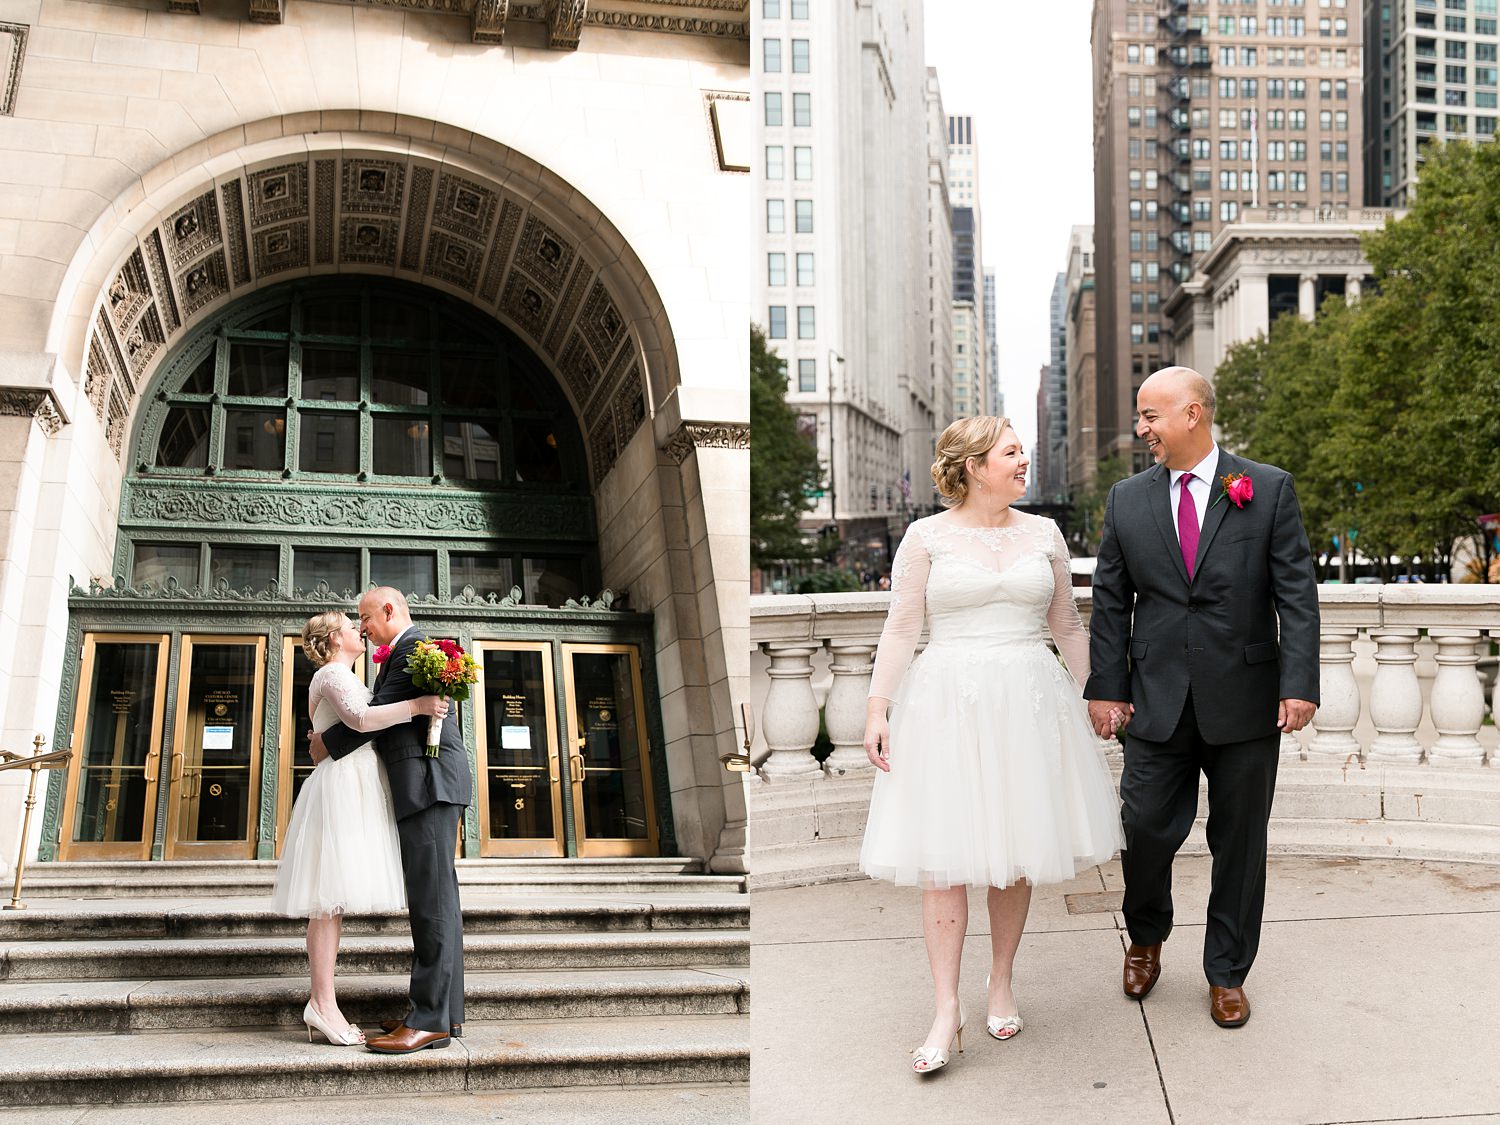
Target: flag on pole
{"x": 905, "y": 485}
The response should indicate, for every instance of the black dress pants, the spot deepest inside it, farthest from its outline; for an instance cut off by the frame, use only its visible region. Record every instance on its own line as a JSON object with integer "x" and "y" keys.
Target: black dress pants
{"x": 437, "y": 920}
{"x": 1159, "y": 795}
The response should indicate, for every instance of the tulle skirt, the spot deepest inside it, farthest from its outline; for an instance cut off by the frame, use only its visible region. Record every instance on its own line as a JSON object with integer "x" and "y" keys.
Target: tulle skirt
{"x": 342, "y": 854}
{"x": 996, "y": 774}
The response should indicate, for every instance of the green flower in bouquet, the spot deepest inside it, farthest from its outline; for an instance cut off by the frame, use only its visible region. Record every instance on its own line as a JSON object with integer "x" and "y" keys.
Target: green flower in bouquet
{"x": 441, "y": 668}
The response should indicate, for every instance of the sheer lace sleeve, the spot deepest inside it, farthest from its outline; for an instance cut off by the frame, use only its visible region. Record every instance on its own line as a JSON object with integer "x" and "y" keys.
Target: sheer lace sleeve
{"x": 1063, "y": 621}
{"x": 351, "y": 699}
{"x": 903, "y": 622}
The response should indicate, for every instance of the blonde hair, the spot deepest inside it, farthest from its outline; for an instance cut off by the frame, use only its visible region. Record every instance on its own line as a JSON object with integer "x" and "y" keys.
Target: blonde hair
{"x": 317, "y": 635}
{"x": 968, "y": 437}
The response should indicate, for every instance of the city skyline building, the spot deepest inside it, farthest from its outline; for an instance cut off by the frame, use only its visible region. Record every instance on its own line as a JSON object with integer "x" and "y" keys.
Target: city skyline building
{"x": 996, "y": 397}
{"x": 839, "y": 269}
{"x": 920, "y": 438}
{"x": 1053, "y": 435}
{"x": 1199, "y": 114}
{"x": 970, "y": 352}
{"x": 1429, "y": 75}
{"x": 1083, "y": 386}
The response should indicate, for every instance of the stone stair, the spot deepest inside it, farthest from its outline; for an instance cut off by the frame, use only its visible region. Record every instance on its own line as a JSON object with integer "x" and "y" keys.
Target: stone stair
{"x": 617, "y": 973}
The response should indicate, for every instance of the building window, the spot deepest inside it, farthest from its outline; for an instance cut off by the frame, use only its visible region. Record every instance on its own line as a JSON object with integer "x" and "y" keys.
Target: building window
{"x": 799, "y": 9}
{"x": 807, "y": 375}
{"x": 1135, "y": 209}
{"x": 805, "y": 270}
{"x": 801, "y": 57}
{"x": 1296, "y": 88}
{"x": 772, "y": 58}
{"x": 1484, "y": 126}
{"x": 1485, "y": 75}
{"x": 1456, "y": 75}
{"x": 804, "y": 216}
{"x": 1341, "y": 182}
{"x": 775, "y": 162}
{"x": 1201, "y": 240}
{"x": 770, "y": 9}
{"x": 1137, "y": 333}
{"x": 776, "y": 329}
{"x": 1297, "y": 181}
{"x": 802, "y": 162}
{"x": 1137, "y": 303}
{"x": 773, "y": 107}
{"x": 1135, "y": 271}
{"x": 776, "y": 269}
{"x": 1135, "y": 241}
{"x": 776, "y": 216}
{"x": 807, "y": 322}
{"x": 802, "y": 110}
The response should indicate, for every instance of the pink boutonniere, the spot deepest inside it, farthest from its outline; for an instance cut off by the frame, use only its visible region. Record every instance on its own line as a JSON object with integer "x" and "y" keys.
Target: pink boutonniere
{"x": 1239, "y": 488}
{"x": 382, "y": 654}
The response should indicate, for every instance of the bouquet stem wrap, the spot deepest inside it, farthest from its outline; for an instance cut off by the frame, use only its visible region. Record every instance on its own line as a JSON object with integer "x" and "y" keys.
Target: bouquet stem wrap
{"x": 434, "y": 735}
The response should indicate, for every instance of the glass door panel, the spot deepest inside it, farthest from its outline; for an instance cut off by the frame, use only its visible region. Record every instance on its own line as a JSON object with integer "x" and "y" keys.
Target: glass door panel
{"x": 520, "y": 789}
{"x": 612, "y": 804}
{"x": 216, "y": 751}
{"x": 110, "y": 810}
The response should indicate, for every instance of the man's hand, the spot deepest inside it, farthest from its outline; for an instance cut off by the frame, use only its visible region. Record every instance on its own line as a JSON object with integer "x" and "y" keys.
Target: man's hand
{"x": 1109, "y": 716}
{"x": 1294, "y": 714}
{"x": 315, "y": 746}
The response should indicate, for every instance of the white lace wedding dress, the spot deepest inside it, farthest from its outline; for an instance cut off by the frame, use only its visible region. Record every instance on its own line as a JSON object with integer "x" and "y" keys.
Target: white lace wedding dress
{"x": 342, "y": 854}
{"x": 996, "y": 774}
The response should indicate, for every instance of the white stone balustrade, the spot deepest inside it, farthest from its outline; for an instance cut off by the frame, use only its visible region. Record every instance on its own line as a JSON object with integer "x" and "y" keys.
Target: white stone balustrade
{"x": 1402, "y": 689}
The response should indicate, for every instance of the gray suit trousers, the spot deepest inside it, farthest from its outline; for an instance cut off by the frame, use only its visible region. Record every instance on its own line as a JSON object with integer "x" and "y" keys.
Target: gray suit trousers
{"x": 437, "y": 921}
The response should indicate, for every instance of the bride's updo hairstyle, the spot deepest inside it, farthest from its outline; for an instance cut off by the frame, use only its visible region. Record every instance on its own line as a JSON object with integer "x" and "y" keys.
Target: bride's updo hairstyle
{"x": 317, "y": 636}
{"x": 968, "y": 437}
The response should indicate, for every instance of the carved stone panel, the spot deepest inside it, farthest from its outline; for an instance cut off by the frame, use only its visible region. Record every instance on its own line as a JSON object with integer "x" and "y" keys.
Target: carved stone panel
{"x": 565, "y": 23}
{"x": 204, "y": 282}
{"x": 129, "y": 292}
{"x": 161, "y": 282}
{"x": 464, "y": 208}
{"x": 505, "y": 237}
{"x": 526, "y": 304}
{"x": 488, "y": 21}
{"x": 579, "y": 368}
{"x": 234, "y": 232}
{"x": 278, "y": 194}
{"x": 416, "y": 217}
{"x": 192, "y": 230}
{"x": 544, "y": 254}
{"x": 372, "y": 187}
{"x": 601, "y": 325}
{"x": 280, "y": 248}
{"x": 12, "y": 54}
{"x": 453, "y": 260}
{"x": 368, "y": 240}
{"x": 577, "y": 285}
{"x": 323, "y": 211}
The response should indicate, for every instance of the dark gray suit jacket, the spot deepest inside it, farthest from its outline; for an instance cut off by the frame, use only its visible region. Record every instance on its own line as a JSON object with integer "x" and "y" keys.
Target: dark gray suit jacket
{"x": 1154, "y": 634}
{"x": 417, "y": 781}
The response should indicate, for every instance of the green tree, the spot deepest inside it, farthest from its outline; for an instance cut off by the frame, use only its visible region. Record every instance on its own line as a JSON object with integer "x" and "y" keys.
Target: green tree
{"x": 1088, "y": 505}
{"x": 784, "y": 468}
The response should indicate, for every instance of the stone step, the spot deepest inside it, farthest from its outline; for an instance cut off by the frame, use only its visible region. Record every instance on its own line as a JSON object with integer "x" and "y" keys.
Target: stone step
{"x": 108, "y": 919}
{"x": 152, "y": 959}
{"x": 97, "y": 1007}
{"x": 150, "y": 884}
{"x": 195, "y": 868}
{"x": 174, "y": 1066}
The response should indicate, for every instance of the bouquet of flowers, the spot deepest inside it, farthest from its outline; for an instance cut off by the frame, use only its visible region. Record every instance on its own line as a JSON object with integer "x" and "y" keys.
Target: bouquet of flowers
{"x": 441, "y": 668}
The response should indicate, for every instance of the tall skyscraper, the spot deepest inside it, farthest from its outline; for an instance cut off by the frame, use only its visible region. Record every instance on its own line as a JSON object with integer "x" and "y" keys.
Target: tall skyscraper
{"x": 970, "y": 351}
{"x": 1198, "y": 114}
{"x": 1083, "y": 425}
{"x": 995, "y": 400}
{"x": 840, "y": 268}
{"x": 939, "y": 310}
{"x": 1054, "y": 481}
{"x": 1429, "y": 75}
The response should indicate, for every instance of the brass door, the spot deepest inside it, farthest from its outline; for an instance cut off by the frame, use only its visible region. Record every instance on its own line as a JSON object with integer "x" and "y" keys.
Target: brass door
{"x": 213, "y": 805}
{"x": 610, "y": 757}
{"x": 520, "y": 782}
{"x": 110, "y": 808}
{"x": 294, "y": 761}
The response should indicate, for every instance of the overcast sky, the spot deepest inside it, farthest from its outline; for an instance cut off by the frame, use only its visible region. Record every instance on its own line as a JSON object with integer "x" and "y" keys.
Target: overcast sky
{"x": 1023, "y": 72}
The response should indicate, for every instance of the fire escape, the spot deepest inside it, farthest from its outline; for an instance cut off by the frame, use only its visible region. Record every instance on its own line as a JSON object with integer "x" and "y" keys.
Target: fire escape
{"x": 1185, "y": 55}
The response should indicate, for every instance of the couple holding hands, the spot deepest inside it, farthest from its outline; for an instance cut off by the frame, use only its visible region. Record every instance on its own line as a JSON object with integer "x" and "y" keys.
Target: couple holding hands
{"x": 1202, "y": 652}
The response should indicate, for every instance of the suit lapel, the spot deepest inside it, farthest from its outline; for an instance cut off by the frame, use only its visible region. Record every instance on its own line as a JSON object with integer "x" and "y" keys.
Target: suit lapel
{"x": 1216, "y": 508}
{"x": 1159, "y": 498}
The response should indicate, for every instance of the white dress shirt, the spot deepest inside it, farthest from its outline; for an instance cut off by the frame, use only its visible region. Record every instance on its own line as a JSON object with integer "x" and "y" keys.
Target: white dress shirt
{"x": 1200, "y": 485}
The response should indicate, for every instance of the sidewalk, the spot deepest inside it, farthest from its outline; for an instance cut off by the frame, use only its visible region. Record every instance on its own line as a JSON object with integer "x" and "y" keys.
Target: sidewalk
{"x": 1375, "y": 998}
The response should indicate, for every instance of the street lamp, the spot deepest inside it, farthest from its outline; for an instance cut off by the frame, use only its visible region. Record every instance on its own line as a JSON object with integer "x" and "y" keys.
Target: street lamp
{"x": 833, "y": 494}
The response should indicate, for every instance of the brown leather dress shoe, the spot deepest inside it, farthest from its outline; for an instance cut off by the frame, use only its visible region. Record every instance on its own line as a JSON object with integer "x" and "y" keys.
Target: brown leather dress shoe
{"x": 1142, "y": 967}
{"x": 404, "y": 1040}
{"x": 388, "y": 1026}
{"x": 1230, "y": 1007}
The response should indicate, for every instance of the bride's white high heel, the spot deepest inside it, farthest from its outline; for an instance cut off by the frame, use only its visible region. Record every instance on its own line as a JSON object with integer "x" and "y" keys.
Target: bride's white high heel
{"x": 1003, "y": 1027}
{"x": 352, "y": 1036}
{"x": 929, "y": 1059}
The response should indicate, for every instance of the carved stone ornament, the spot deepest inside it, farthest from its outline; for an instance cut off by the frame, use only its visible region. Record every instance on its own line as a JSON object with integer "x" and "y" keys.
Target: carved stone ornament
{"x": 565, "y": 23}
{"x": 41, "y": 405}
{"x": 713, "y": 435}
{"x": 12, "y": 53}
{"x": 488, "y": 24}
{"x": 267, "y": 11}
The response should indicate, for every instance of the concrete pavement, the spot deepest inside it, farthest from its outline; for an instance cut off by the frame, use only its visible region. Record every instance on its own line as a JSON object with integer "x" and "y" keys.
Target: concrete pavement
{"x": 1375, "y": 999}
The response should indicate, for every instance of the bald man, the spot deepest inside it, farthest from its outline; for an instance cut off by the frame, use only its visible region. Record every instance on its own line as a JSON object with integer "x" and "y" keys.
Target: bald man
{"x": 430, "y": 795}
{"x": 1204, "y": 650}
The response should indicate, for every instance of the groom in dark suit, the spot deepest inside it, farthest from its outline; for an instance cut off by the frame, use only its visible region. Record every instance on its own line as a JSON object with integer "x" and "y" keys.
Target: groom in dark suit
{"x": 429, "y": 795}
{"x": 1202, "y": 558}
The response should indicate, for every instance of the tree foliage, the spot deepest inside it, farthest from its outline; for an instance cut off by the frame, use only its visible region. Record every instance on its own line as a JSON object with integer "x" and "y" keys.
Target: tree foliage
{"x": 1088, "y": 506}
{"x": 1388, "y": 412}
{"x": 784, "y": 467}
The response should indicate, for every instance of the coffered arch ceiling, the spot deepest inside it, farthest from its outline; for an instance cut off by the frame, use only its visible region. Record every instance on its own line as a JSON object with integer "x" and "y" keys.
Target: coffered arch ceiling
{"x": 545, "y": 263}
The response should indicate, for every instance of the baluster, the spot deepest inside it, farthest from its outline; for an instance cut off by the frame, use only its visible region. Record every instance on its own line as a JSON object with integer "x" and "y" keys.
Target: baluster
{"x": 1494, "y": 758}
{"x": 1291, "y": 746}
{"x": 790, "y": 723}
{"x": 844, "y": 710}
{"x": 1338, "y": 710}
{"x": 1457, "y": 699}
{"x": 1396, "y": 697}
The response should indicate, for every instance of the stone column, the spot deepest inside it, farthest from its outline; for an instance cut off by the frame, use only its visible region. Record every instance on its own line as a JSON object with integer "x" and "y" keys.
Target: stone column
{"x": 1255, "y": 304}
{"x": 1352, "y": 288}
{"x": 844, "y": 710}
{"x": 1396, "y": 697}
{"x": 1457, "y": 699}
{"x": 1307, "y": 296}
{"x": 790, "y": 723}
{"x": 1338, "y": 712}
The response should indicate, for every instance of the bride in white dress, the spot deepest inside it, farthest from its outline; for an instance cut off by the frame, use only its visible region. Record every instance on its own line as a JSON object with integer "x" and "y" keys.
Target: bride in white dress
{"x": 342, "y": 854}
{"x": 990, "y": 773}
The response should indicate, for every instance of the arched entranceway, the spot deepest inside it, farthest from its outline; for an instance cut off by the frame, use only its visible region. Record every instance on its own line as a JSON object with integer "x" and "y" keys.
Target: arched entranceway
{"x": 481, "y": 225}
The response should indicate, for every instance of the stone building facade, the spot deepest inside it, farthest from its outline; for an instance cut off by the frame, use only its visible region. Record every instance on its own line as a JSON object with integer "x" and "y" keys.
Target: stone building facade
{"x": 544, "y": 202}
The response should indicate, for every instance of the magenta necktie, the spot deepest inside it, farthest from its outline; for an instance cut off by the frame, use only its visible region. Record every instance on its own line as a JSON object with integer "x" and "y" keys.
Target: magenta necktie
{"x": 1187, "y": 524}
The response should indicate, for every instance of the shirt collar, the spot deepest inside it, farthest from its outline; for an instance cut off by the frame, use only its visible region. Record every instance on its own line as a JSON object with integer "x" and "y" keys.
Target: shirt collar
{"x": 1203, "y": 470}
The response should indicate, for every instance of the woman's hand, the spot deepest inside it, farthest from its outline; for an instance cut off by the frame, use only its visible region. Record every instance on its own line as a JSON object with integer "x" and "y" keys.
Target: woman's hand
{"x": 878, "y": 737}
{"x": 433, "y": 706}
